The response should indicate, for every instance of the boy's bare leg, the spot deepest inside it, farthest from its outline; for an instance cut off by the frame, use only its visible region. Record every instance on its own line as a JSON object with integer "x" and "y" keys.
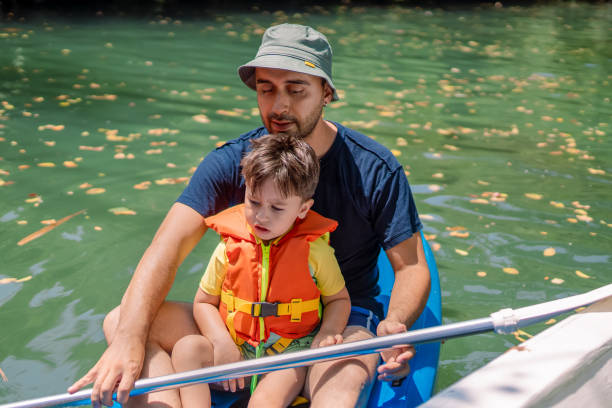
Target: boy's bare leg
{"x": 191, "y": 353}
{"x": 344, "y": 383}
{"x": 173, "y": 321}
{"x": 278, "y": 388}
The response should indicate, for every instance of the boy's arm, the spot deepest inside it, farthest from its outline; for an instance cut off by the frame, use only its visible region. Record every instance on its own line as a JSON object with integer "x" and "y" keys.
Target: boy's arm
{"x": 122, "y": 361}
{"x": 408, "y": 298}
{"x": 211, "y": 325}
{"x": 336, "y": 310}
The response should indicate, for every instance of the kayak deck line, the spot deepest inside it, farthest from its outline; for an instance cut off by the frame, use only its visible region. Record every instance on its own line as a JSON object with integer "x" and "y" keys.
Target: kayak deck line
{"x": 526, "y": 316}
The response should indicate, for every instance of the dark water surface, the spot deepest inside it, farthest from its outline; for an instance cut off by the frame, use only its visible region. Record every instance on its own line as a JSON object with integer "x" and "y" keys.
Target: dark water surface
{"x": 501, "y": 117}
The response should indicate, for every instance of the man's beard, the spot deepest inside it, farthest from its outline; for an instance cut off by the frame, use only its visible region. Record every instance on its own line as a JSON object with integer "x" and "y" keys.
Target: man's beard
{"x": 302, "y": 129}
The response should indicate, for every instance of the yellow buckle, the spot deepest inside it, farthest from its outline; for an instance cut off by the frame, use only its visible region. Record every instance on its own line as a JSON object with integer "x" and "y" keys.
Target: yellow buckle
{"x": 296, "y": 310}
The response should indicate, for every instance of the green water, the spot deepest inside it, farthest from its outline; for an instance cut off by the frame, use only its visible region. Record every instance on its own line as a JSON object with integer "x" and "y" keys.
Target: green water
{"x": 482, "y": 106}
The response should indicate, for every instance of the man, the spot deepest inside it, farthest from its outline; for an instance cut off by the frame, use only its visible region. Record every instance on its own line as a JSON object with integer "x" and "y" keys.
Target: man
{"x": 361, "y": 185}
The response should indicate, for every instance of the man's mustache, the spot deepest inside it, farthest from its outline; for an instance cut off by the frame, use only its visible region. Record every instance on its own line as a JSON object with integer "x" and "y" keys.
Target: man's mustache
{"x": 282, "y": 117}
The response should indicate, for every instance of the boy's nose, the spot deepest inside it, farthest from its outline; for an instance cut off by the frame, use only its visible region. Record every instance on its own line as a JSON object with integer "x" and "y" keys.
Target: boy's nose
{"x": 261, "y": 215}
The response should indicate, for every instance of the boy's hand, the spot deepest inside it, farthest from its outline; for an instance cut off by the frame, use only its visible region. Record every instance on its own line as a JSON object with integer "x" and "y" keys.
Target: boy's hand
{"x": 323, "y": 339}
{"x": 395, "y": 364}
{"x": 225, "y": 353}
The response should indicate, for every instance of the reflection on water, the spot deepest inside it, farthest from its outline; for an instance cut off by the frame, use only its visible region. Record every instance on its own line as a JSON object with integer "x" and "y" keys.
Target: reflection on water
{"x": 499, "y": 116}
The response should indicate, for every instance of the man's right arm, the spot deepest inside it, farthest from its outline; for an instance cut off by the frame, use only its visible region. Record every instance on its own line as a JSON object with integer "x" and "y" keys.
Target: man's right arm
{"x": 122, "y": 361}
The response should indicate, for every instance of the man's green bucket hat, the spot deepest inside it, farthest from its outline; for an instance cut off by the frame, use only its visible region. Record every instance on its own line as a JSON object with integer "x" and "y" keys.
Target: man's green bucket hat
{"x": 295, "y": 48}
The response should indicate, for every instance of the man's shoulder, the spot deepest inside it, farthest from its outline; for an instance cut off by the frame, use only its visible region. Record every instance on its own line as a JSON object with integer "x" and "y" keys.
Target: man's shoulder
{"x": 241, "y": 143}
{"x": 366, "y": 150}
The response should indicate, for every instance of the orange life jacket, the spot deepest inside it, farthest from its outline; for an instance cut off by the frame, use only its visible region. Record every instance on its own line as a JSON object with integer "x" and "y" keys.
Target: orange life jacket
{"x": 276, "y": 274}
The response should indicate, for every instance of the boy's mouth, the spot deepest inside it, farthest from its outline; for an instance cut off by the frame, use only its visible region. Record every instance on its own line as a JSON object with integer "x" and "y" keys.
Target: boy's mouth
{"x": 260, "y": 229}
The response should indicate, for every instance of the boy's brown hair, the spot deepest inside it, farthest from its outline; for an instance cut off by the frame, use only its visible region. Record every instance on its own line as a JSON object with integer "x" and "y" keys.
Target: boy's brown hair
{"x": 287, "y": 160}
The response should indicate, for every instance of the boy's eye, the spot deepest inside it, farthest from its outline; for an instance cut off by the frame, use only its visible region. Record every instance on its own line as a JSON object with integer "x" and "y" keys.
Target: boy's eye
{"x": 277, "y": 209}
{"x": 253, "y": 202}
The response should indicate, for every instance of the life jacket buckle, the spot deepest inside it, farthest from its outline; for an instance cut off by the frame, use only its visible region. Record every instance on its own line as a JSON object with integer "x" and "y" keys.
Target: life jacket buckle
{"x": 266, "y": 309}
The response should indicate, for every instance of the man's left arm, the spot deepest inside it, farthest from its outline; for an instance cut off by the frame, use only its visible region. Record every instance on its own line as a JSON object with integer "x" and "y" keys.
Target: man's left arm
{"x": 408, "y": 298}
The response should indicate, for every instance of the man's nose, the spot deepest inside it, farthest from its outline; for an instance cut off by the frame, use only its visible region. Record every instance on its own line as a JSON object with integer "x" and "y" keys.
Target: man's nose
{"x": 281, "y": 103}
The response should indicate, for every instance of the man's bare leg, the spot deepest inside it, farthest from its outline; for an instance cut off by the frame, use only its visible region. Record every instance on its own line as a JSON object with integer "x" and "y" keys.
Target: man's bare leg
{"x": 344, "y": 383}
{"x": 173, "y": 321}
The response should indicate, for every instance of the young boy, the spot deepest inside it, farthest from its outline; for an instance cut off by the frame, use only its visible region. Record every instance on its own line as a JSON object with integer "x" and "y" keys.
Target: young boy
{"x": 264, "y": 284}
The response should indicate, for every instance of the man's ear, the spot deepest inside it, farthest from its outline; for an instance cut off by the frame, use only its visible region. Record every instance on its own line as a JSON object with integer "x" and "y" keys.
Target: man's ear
{"x": 328, "y": 93}
{"x": 306, "y": 205}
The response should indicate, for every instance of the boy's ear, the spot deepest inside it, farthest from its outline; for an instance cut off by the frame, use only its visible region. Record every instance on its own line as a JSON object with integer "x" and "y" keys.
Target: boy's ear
{"x": 306, "y": 205}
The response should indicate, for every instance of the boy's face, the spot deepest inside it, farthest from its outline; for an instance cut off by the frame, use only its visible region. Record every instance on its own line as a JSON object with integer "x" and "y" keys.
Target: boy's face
{"x": 269, "y": 214}
{"x": 290, "y": 102}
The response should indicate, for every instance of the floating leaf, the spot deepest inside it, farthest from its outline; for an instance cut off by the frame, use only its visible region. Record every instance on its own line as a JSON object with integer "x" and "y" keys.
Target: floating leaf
{"x": 596, "y": 171}
{"x": 105, "y": 97}
{"x": 201, "y": 118}
{"x": 46, "y": 229}
{"x": 122, "y": 211}
{"x": 55, "y": 128}
{"x": 169, "y": 180}
{"x": 142, "y": 186}
{"x": 224, "y": 112}
{"x": 461, "y": 252}
{"x": 549, "y": 252}
{"x": 96, "y": 190}
{"x": 533, "y": 196}
{"x": 550, "y": 321}
{"x": 511, "y": 271}
{"x": 479, "y": 201}
{"x": 459, "y": 234}
{"x": 92, "y": 148}
{"x": 582, "y": 275}
{"x": 70, "y": 164}
{"x": 3, "y": 376}
{"x": 46, "y": 164}
{"x": 4, "y": 281}
{"x": 481, "y": 274}
{"x": 556, "y": 281}
{"x": 396, "y": 152}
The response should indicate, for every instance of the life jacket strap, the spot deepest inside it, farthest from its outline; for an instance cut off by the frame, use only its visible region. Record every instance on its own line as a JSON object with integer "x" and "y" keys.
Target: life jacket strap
{"x": 294, "y": 309}
{"x": 279, "y": 346}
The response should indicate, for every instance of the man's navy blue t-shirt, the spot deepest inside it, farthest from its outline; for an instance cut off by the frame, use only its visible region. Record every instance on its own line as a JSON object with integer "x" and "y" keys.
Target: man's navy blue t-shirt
{"x": 361, "y": 185}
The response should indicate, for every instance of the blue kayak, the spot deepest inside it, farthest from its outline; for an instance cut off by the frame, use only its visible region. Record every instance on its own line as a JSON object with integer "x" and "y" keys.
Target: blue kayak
{"x": 418, "y": 386}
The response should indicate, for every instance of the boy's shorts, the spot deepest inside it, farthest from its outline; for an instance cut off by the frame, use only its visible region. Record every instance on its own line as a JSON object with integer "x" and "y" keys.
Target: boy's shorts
{"x": 363, "y": 317}
{"x": 359, "y": 316}
{"x": 303, "y": 343}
